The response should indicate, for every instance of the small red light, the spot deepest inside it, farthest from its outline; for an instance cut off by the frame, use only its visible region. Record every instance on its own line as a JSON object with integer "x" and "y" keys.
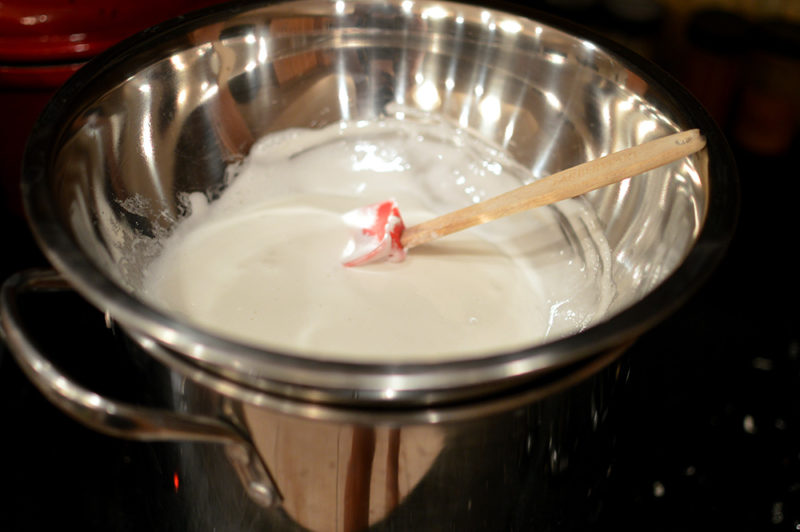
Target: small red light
{"x": 175, "y": 481}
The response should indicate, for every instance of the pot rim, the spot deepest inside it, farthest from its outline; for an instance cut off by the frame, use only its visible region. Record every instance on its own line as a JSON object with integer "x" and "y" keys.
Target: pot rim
{"x": 296, "y": 375}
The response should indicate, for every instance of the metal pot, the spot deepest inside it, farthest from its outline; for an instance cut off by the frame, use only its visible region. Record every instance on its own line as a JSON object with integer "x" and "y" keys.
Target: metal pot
{"x": 515, "y": 440}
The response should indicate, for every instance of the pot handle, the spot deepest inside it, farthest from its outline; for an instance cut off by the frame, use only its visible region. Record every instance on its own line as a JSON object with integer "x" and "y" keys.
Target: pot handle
{"x": 114, "y": 418}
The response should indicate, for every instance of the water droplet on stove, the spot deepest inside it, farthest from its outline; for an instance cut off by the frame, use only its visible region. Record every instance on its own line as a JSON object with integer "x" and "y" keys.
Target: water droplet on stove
{"x": 762, "y": 363}
{"x": 749, "y": 424}
{"x": 777, "y": 513}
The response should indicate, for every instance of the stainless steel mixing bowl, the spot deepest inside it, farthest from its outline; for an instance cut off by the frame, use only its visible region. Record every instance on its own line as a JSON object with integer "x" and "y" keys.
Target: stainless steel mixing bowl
{"x": 164, "y": 113}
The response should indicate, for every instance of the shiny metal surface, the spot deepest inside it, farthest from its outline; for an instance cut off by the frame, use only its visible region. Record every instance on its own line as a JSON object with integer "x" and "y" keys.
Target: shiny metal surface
{"x": 515, "y": 441}
{"x": 163, "y": 114}
{"x": 305, "y": 466}
{"x": 528, "y": 461}
{"x": 115, "y": 418}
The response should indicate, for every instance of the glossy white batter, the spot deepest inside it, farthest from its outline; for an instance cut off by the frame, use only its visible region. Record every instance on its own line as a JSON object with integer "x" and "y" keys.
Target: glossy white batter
{"x": 262, "y": 263}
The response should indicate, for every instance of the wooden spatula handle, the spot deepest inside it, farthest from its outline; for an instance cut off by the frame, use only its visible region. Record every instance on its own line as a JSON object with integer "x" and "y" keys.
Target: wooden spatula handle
{"x": 561, "y": 185}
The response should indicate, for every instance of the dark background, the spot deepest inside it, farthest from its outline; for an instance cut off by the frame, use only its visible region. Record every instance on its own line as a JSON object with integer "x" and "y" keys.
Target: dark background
{"x": 710, "y": 432}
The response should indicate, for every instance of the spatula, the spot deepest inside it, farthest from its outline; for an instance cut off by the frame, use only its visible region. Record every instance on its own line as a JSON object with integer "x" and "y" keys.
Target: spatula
{"x": 379, "y": 232}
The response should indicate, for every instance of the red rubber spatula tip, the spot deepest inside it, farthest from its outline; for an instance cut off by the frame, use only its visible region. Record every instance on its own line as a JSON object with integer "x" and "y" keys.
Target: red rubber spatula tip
{"x": 376, "y": 231}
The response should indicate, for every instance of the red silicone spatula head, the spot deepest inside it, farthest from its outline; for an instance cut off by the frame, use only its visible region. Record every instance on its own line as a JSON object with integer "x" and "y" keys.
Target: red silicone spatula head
{"x": 376, "y": 234}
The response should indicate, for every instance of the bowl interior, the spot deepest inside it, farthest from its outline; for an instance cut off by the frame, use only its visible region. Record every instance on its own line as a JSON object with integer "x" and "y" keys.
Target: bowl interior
{"x": 165, "y": 113}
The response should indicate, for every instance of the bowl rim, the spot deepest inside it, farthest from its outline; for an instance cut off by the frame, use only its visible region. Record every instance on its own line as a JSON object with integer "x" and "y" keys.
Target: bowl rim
{"x": 331, "y": 381}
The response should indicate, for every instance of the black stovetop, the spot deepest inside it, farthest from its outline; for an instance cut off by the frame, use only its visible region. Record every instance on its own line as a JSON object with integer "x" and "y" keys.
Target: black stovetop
{"x": 711, "y": 438}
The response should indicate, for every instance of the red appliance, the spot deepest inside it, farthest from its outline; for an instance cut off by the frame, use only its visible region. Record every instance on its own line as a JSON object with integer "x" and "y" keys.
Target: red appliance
{"x": 42, "y": 43}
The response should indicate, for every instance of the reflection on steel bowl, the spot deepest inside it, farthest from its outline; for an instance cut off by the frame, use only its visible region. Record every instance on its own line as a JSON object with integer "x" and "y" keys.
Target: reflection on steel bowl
{"x": 514, "y": 440}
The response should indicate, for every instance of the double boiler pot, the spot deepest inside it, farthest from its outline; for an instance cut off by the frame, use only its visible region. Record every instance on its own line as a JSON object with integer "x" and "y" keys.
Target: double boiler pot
{"x": 273, "y": 440}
